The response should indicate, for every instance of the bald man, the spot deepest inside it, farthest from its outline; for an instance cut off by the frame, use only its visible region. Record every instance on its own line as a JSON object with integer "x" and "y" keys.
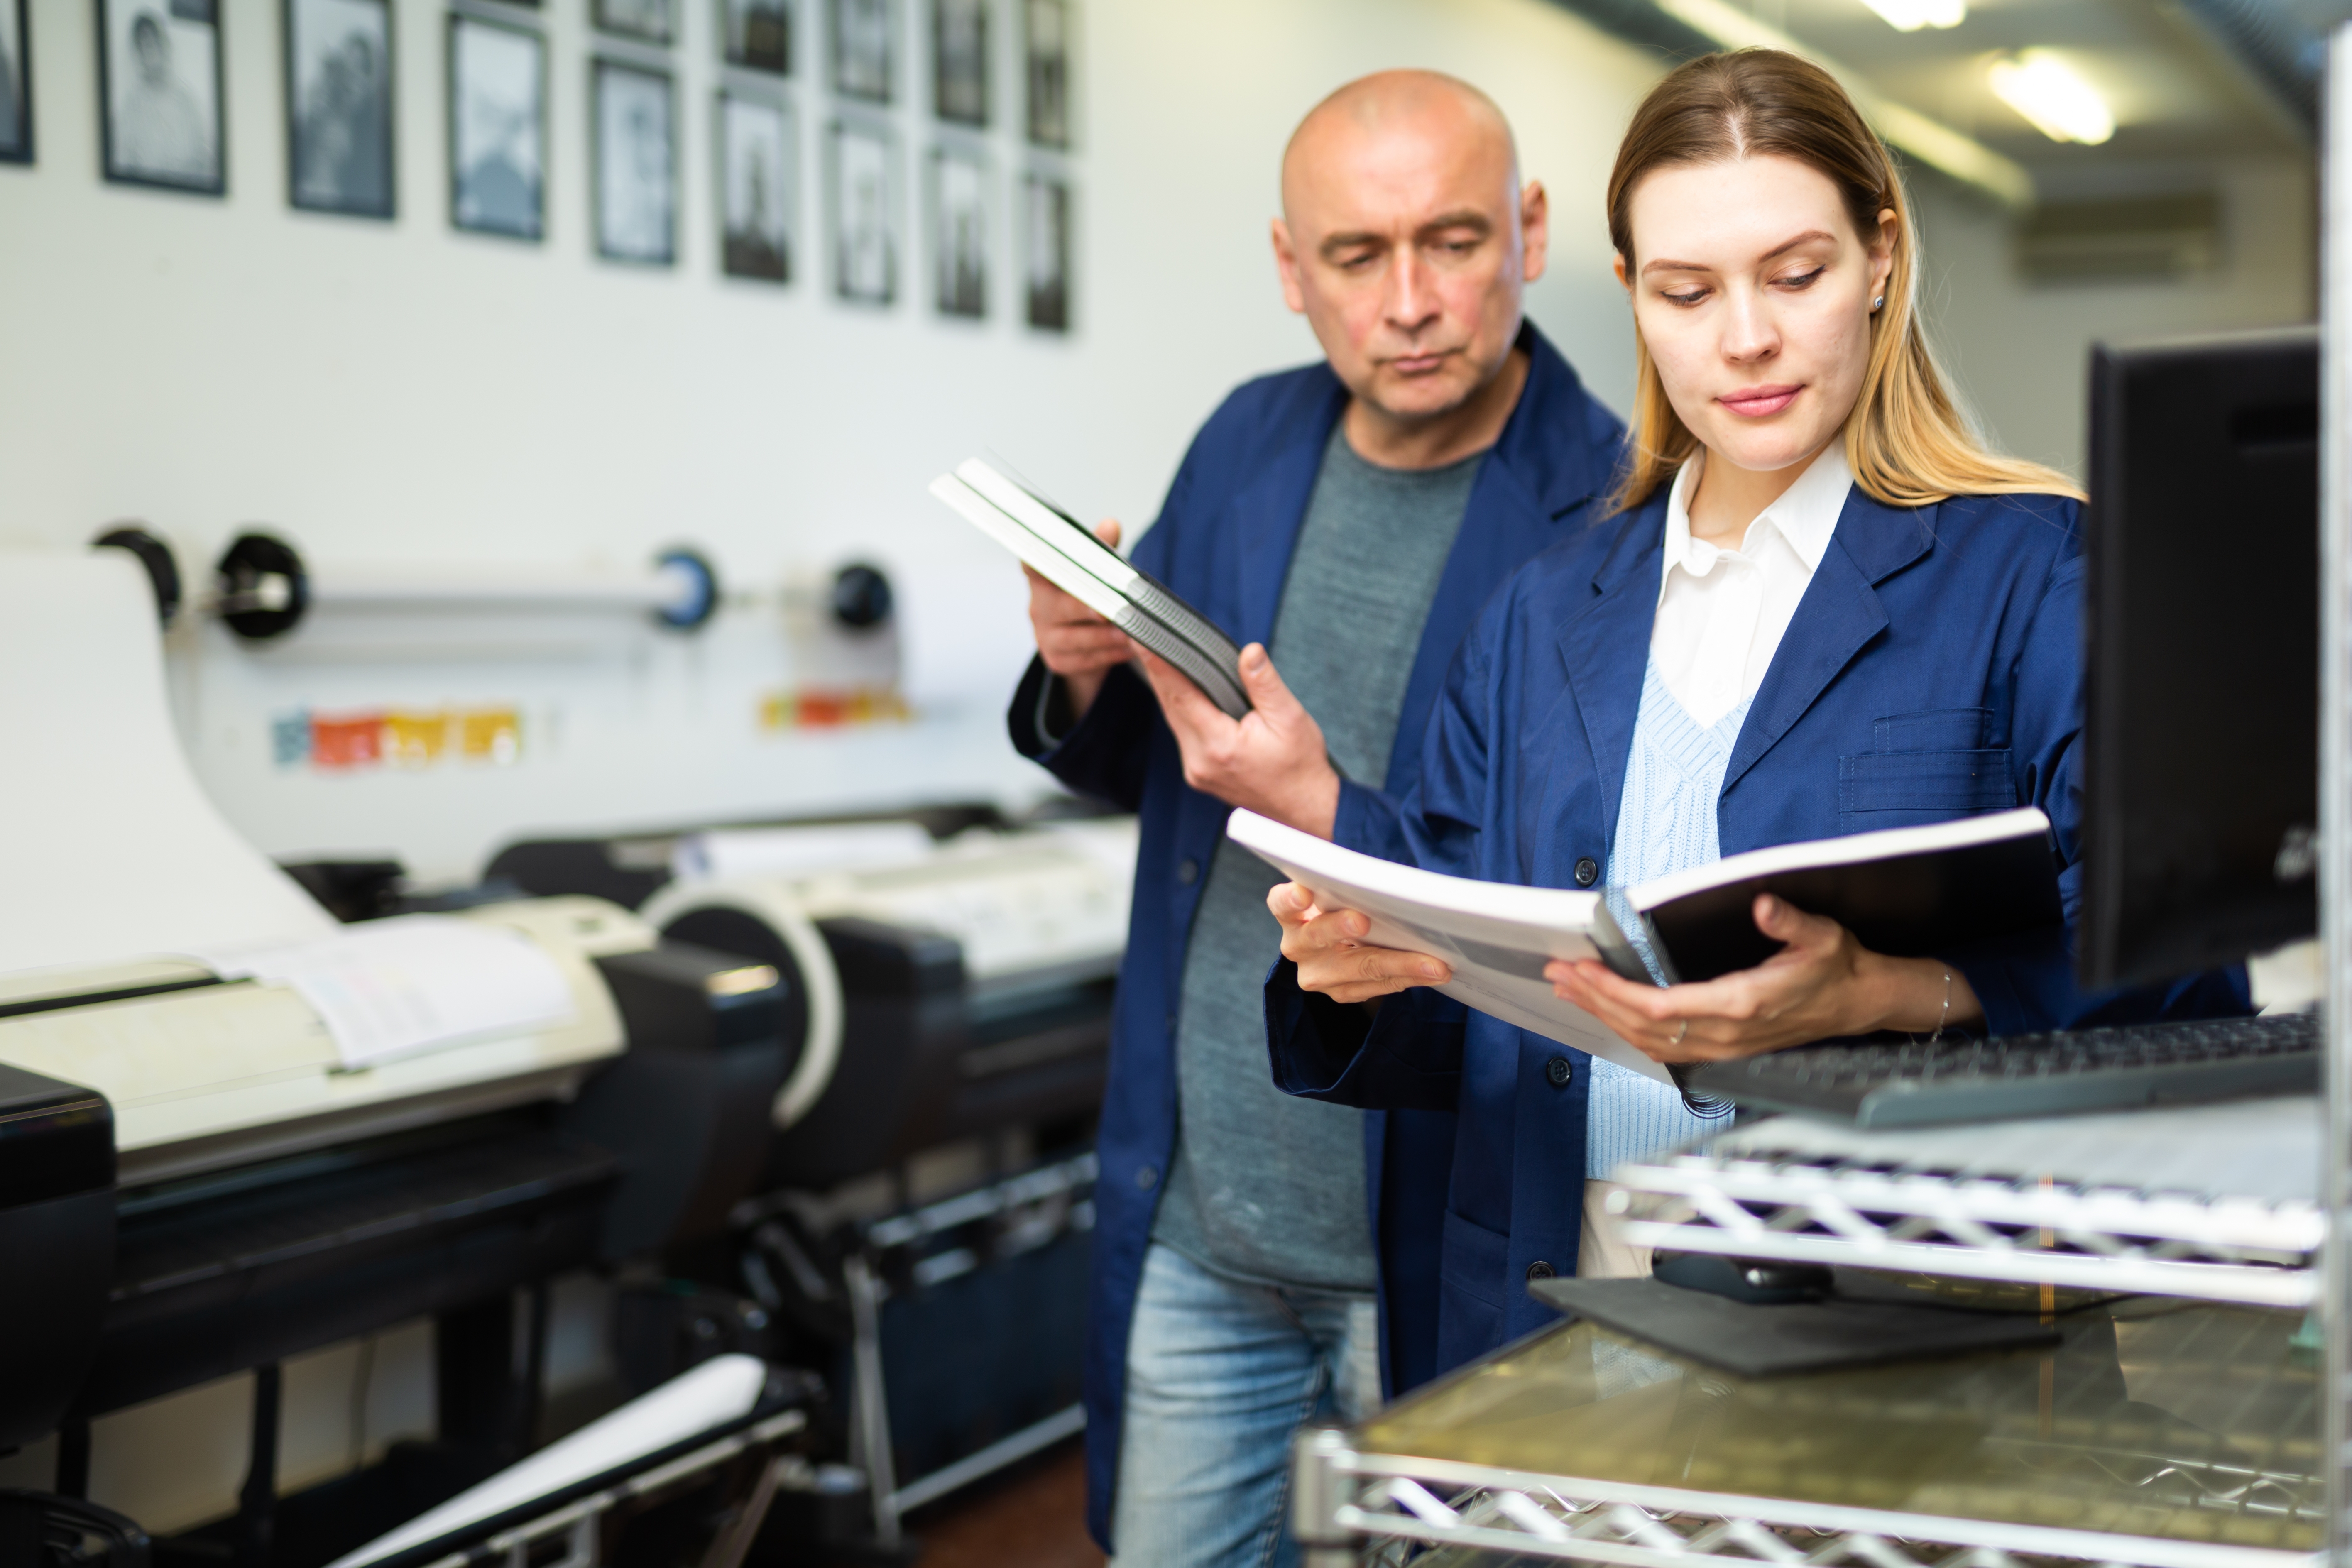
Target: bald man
{"x": 1345, "y": 520}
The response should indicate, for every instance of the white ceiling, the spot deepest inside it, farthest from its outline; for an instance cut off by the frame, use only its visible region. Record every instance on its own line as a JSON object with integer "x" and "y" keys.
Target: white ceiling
{"x": 2176, "y": 92}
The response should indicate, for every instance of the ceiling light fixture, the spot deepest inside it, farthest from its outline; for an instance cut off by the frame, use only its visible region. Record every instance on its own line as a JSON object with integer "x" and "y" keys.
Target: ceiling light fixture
{"x": 2054, "y": 97}
{"x": 1910, "y": 15}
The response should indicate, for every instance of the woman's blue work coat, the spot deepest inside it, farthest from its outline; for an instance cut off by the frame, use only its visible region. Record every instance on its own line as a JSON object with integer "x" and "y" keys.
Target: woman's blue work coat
{"x": 1223, "y": 540}
{"x": 1933, "y": 670}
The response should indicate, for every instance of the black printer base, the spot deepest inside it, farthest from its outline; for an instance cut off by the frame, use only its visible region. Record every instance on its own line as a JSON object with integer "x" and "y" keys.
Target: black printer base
{"x": 220, "y": 1274}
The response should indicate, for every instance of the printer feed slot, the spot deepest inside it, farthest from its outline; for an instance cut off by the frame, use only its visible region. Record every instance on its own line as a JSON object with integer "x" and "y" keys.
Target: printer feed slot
{"x": 22, "y": 1006}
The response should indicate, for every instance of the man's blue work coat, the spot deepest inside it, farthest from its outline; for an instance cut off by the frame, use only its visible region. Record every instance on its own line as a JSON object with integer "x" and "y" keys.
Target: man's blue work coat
{"x": 1223, "y": 541}
{"x": 1933, "y": 670}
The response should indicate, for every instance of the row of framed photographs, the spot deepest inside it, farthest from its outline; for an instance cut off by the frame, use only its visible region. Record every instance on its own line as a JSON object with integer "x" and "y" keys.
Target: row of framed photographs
{"x": 162, "y": 92}
{"x": 757, "y": 35}
{"x": 497, "y": 146}
{"x": 759, "y": 159}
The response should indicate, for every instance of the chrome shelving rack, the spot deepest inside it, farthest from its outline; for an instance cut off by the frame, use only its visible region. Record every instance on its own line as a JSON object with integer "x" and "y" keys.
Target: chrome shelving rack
{"x": 2336, "y": 773}
{"x": 1377, "y": 1511}
{"x": 2216, "y": 1203}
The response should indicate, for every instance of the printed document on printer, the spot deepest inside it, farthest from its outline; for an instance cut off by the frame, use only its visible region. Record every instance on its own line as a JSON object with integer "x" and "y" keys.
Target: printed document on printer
{"x": 413, "y": 983}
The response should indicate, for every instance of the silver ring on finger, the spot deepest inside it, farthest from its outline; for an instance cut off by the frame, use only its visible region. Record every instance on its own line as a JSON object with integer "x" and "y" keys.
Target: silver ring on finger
{"x": 1684, "y": 1028}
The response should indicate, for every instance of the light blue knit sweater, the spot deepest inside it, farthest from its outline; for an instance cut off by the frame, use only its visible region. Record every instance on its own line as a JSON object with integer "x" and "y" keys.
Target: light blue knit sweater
{"x": 1665, "y": 823}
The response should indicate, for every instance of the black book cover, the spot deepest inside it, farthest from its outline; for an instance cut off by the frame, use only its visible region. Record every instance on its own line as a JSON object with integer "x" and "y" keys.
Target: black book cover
{"x": 1917, "y": 904}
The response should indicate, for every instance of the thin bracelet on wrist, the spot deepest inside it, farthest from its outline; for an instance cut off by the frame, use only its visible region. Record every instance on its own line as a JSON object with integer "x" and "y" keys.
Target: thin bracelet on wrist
{"x": 1946, "y": 1015}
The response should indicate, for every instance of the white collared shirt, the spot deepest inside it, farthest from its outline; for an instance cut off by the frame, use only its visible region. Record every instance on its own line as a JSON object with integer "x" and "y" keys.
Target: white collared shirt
{"x": 1721, "y": 612}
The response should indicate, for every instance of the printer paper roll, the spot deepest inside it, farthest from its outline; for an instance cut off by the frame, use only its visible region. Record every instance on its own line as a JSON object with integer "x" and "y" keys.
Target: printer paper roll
{"x": 109, "y": 847}
{"x": 728, "y": 852}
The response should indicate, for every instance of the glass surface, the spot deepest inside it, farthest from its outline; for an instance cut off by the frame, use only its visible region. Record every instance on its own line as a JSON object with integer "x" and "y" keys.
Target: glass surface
{"x": 2153, "y": 1418}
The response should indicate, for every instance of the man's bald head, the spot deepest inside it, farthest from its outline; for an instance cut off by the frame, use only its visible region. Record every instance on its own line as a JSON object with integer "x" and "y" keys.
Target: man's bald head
{"x": 1388, "y": 104}
{"x": 1406, "y": 241}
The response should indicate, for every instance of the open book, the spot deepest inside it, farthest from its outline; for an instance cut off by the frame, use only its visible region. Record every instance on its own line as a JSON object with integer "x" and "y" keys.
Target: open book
{"x": 1497, "y": 937}
{"x": 1062, "y": 550}
{"x": 1904, "y": 891}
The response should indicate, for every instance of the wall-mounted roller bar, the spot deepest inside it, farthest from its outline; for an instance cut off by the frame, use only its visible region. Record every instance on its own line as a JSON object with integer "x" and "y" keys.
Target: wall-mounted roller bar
{"x": 263, "y": 588}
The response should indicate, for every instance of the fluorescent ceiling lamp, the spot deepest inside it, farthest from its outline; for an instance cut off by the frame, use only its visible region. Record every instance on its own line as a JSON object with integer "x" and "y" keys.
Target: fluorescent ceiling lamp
{"x": 1931, "y": 142}
{"x": 1910, "y": 15}
{"x": 2054, "y": 97}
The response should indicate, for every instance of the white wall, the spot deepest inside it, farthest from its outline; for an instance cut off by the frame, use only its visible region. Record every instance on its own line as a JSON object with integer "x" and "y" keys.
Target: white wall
{"x": 407, "y": 393}
{"x": 2021, "y": 352}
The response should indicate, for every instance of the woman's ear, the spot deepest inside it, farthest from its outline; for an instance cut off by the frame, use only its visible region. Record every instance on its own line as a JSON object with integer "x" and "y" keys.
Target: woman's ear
{"x": 1882, "y": 253}
{"x": 1623, "y": 280}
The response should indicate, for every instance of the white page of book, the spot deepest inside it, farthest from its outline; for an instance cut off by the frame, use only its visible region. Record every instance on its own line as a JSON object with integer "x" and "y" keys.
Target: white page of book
{"x": 1495, "y": 936}
{"x": 1056, "y": 566}
{"x": 109, "y": 847}
{"x": 1082, "y": 547}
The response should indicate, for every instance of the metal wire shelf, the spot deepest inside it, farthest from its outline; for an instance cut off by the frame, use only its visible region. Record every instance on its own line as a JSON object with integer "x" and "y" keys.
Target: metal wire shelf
{"x": 1830, "y": 1211}
{"x": 1381, "y": 1512}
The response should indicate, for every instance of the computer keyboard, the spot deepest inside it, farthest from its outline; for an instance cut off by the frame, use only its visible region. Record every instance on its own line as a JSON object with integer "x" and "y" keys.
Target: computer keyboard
{"x": 1918, "y": 1084}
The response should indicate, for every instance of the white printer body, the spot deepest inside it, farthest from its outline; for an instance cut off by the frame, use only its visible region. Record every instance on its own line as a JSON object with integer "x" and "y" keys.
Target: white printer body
{"x": 203, "y": 1074}
{"x": 199, "y": 1173}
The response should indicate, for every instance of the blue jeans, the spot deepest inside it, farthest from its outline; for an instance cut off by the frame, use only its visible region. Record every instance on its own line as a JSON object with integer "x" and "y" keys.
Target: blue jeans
{"x": 1220, "y": 1375}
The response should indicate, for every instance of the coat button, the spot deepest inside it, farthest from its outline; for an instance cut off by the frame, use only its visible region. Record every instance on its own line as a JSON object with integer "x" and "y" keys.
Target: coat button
{"x": 1146, "y": 1177}
{"x": 1539, "y": 1269}
{"x": 1588, "y": 871}
{"x": 1559, "y": 1072}
{"x": 1188, "y": 871}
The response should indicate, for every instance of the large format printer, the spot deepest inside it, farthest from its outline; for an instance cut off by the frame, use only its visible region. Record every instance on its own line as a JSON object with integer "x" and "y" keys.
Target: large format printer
{"x": 198, "y": 1175}
{"x": 957, "y": 973}
{"x": 957, "y": 969}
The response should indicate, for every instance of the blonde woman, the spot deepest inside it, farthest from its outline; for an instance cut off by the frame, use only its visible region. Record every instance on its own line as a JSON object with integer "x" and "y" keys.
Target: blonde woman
{"x": 1822, "y": 607}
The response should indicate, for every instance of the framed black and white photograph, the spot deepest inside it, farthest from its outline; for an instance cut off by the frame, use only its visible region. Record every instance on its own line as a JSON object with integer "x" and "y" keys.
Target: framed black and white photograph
{"x": 1045, "y": 250}
{"x": 864, "y": 204}
{"x": 159, "y": 80}
{"x": 16, "y": 84}
{"x": 959, "y": 61}
{"x": 339, "y": 138}
{"x": 498, "y": 129}
{"x": 758, "y": 195}
{"x": 862, "y": 49}
{"x": 636, "y": 165}
{"x": 649, "y": 20}
{"x": 1046, "y": 33}
{"x": 959, "y": 232}
{"x": 758, "y": 34}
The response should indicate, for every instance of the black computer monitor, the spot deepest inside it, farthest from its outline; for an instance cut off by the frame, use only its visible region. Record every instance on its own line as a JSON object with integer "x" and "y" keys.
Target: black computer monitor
{"x": 2201, "y": 641}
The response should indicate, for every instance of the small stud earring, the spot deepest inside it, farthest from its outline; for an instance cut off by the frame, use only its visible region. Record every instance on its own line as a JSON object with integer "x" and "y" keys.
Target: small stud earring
{"x": 1878, "y": 302}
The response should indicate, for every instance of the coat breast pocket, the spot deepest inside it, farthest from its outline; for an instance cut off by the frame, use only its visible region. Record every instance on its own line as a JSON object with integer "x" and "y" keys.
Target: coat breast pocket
{"x": 1904, "y": 789}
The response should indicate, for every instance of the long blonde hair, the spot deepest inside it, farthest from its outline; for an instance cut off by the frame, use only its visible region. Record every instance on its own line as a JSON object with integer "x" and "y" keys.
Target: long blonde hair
{"x": 1907, "y": 439}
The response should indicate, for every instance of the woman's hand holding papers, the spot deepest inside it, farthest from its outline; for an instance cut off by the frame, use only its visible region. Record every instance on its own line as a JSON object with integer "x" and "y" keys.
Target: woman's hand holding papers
{"x": 1076, "y": 644}
{"x": 1822, "y": 985}
{"x": 1271, "y": 759}
{"x": 1332, "y": 957}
